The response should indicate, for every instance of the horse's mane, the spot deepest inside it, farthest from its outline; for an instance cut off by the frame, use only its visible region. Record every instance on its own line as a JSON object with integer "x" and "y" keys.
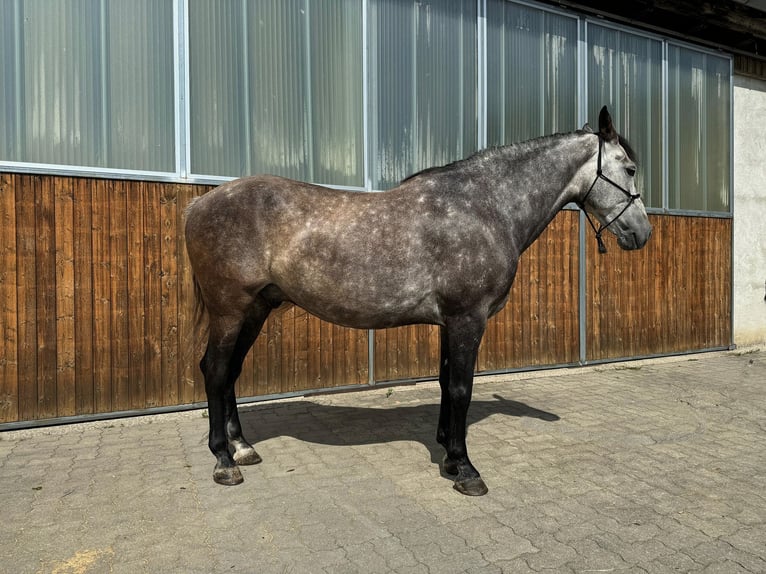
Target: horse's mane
{"x": 628, "y": 149}
{"x": 510, "y": 150}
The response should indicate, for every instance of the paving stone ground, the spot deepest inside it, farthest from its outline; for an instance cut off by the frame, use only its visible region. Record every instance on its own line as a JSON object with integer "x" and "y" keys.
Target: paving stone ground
{"x": 654, "y": 466}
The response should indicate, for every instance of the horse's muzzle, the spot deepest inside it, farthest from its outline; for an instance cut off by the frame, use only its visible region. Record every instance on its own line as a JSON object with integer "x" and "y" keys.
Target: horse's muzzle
{"x": 634, "y": 240}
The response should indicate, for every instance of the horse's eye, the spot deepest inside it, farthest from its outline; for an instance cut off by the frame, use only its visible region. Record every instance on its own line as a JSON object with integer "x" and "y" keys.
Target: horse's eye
{"x": 631, "y": 171}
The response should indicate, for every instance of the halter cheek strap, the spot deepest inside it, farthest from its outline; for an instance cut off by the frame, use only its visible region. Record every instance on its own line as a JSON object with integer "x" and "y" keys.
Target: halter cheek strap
{"x": 600, "y": 175}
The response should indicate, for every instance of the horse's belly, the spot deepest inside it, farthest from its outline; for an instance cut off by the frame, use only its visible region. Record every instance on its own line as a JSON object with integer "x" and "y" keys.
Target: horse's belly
{"x": 367, "y": 310}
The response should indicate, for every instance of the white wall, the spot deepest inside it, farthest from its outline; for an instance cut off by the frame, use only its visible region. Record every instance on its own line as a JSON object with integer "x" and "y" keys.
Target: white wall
{"x": 749, "y": 211}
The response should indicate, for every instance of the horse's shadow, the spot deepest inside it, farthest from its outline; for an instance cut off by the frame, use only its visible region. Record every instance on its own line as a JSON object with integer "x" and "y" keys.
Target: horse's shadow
{"x": 344, "y": 426}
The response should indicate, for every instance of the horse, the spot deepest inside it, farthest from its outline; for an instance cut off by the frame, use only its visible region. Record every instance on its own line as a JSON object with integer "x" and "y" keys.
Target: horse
{"x": 442, "y": 248}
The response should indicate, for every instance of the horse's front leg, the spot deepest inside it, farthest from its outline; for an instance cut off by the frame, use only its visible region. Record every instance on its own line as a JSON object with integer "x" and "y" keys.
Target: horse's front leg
{"x": 442, "y": 431}
{"x": 463, "y": 337}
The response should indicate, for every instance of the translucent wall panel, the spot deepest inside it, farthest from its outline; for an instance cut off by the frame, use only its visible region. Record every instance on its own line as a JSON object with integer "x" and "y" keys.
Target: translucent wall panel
{"x": 423, "y": 85}
{"x": 531, "y": 73}
{"x": 276, "y": 87}
{"x": 699, "y": 130}
{"x": 88, "y": 83}
{"x": 625, "y": 73}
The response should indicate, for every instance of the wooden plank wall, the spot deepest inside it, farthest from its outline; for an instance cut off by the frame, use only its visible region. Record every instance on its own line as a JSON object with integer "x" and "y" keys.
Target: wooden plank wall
{"x": 96, "y": 305}
{"x": 670, "y": 297}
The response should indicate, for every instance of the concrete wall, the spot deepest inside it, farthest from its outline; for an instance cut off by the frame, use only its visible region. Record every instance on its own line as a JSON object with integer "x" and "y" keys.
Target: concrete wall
{"x": 749, "y": 211}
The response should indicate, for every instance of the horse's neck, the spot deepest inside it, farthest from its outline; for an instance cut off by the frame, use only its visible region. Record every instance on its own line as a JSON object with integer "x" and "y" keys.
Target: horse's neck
{"x": 538, "y": 183}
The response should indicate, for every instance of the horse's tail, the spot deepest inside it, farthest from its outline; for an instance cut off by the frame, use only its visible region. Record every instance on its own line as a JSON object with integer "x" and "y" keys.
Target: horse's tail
{"x": 199, "y": 309}
{"x": 199, "y": 304}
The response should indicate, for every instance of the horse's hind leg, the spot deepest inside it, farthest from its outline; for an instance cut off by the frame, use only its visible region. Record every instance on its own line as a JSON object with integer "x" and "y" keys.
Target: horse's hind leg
{"x": 222, "y": 340}
{"x": 230, "y": 338}
{"x": 244, "y": 453}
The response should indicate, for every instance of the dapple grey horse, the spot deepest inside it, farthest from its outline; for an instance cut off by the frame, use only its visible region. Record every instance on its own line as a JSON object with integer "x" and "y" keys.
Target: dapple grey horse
{"x": 441, "y": 248}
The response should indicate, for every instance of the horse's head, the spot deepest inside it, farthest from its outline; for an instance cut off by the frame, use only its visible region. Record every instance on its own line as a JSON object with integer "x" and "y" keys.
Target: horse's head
{"x": 612, "y": 197}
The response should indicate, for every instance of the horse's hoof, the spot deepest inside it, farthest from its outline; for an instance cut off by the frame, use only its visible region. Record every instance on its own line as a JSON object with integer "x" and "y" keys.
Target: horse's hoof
{"x": 228, "y": 476}
{"x": 471, "y": 487}
{"x": 247, "y": 456}
{"x": 448, "y": 465}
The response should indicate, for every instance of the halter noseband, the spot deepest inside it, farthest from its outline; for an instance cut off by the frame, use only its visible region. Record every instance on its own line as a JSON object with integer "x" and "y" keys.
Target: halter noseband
{"x": 600, "y": 175}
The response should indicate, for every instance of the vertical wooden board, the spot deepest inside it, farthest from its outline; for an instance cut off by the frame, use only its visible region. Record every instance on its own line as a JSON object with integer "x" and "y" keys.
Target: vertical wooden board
{"x": 273, "y": 353}
{"x": 83, "y": 295}
{"x": 9, "y": 340}
{"x": 723, "y": 278}
{"x": 401, "y": 356}
{"x": 338, "y": 365}
{"x": 136, "y": 300}
{"x": 287, "y": 352}
{"x": 351, "y": 368}
{"x": 26, "y": 296}
{"x": 649, "y": 300}
{"x": 363, "y": 356}
{"x": 45, "y": 271}
{"x": 169, "y": 291}
{"x": 314, "y": 374}
{"x": 65, "y": 297}
{"x": 428, "y": 350}
{"x": 678, "y": 289}
{"x": 393, "y": 343}
{"x": 727, "y": 337}
{"x": 708, "y": 288}
{"x": 573, "y": 271}
{"x": 489, "y": 350}
{"x": 301, "y": 352}
{"x": 118, "y": 256}
{"x": 718, "y": 286}
{"x": 404, "y": 352}
{"x": 572, "y": 311}
{"x": 153, "y": 288}
{"x": 379, "y": 358}
{"x": 528, "y": 308}
{"x": 698, "y": 279}
{"x": 356, "y": 368}
{"x": 591, "y": 295}
{"x": 261, "y": 362}
{"x": 387, "y": 354}
{"x": 595, "y": 302}
{"x": 246, "y": 382}
{"x": 483, "y": 363}
{"x": 705, "y": 282}
{"x": 663, "y": 280}
{"x": 640, "y": 286}
{"x": 544, "y": 354}
{"x": 513, "y": 325}
{"x": 102, "y": 299}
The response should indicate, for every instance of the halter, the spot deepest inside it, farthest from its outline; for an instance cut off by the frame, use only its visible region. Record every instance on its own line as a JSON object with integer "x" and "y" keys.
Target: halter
{"x": 600, "y": 175}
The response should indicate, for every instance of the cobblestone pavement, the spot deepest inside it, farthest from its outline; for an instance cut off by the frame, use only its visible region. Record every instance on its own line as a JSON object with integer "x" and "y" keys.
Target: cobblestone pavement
{"x": 655, "y": 466}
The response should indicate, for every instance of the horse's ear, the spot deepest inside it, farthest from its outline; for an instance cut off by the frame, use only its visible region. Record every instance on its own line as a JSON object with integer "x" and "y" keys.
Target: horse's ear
{"x": 606, "y": 127}
{"x": 586, "y": 128}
